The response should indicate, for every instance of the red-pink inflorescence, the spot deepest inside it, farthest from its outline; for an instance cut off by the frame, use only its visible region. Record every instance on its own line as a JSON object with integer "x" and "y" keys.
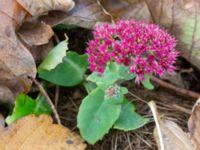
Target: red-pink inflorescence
{"x": 144, "y": 48}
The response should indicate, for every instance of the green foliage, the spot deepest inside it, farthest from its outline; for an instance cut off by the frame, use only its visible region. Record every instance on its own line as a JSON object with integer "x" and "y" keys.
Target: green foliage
{"x": 105, "y": 107}
{"x": 25, "y": 105}
{"x": 54, "y": 57}
{"x": 112, "y": 73}
{"x": 89, "y": 86}
{"x": 42, "y": 106}
{"x": 68, "y": 73}
{"x": 129, "y": 119}
{"x": 65, "y": 26}
{"x": 99, "y": 111}
{"x": 147, "y": 83}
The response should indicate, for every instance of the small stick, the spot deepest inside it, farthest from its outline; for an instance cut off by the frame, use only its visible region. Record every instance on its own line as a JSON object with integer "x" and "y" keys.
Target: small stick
{"x": 129, "y": 141}
{"x": 42, "y": 90}
{"x": 152, "y": 106}
{"x": 182, "y": 109}
{"x": 175, "y": 88}
{"x": 138, "y": 98}
{"x": 57, "y": 91}
{"x": 143, "y": 140}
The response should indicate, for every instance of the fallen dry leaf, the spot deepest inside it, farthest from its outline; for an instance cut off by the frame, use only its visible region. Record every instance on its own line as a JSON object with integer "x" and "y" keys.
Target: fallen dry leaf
{"x": 129, "y": 9}
{"x": 194, "y": 125}
{"x": 39, "y": 7}
{"x": 16, "y": 61}
{"x": 35, "y": 33}
{"x": 86, "y": 13}
{"x": 37, "y": 36}
{"x": 38, "y": 133}
{"x": 5, "y": 94}
{"x": 168, "y": 135}
{"x": 40, "y": 52}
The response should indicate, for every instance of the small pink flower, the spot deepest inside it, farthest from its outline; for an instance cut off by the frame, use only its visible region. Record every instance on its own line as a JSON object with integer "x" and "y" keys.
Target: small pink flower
{"x": 144, "y": 48}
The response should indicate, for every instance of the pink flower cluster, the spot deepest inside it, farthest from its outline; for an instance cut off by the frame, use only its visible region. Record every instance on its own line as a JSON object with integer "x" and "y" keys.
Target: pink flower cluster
{"x": 144, "y": 48}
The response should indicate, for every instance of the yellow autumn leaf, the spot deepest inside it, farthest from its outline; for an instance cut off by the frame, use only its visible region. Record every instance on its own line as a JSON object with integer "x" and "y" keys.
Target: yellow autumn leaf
{"x": 38, "y": 133}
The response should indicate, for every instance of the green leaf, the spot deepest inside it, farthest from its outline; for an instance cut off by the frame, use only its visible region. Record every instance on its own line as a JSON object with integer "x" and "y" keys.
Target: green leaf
{"x": 55, "y": 56}
{"x": 107, "y": 78}
{"x": 147, "y": 83}
{"x": 89, "y": 86}
{"x": 129, "y": 119}
{"x": 63, "y": 26}
{"x": 42, "y": 106}
{"x": 25, "y": 105}
{"x": 123, "y": 71}
{"x": 112, "y": 73}
{"x": 98, "y": 113}
{"x": 68, "y": 73}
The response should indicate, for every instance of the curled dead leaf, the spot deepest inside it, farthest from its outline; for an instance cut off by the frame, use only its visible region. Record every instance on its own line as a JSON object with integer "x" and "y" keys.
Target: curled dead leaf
{"x": 37, "y": 8}
{"x": 168, "y": 135}
{"x": 38, "y": 133}
{"x": 86, "y": 14}
{"x": 6, "y": 94}
{"x": 16, "y": 61}
{"x": 35, "y": 33}
{"x": 194, "y": 125}
{"x": 37, "y": 37}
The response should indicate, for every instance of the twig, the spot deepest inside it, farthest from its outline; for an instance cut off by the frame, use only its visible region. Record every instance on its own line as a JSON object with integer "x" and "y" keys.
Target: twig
{"x": 143, "y": 140}
{"x": 152, "y": 106}
{"x": 42, "y": 90}
{"x": 115, "y": 142}
{"x": 182, "y": 109}
{"x": 175, "y": 88}
{"x": 73, "y": 103}
{"x": 56, "y": 38}
{"x": 56, "y": 99}
{"x": 129, "y": 141}
{"x": 138, "y": 98}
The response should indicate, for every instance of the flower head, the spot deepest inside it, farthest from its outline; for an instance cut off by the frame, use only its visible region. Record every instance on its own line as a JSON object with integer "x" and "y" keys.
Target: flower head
{"x": 112, "y": 91}
{"x": 144, "y": 48}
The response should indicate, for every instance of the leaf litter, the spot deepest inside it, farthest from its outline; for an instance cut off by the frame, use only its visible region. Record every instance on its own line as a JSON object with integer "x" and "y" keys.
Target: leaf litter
{"x": 168, "y": 105}
{"x": 16, "y": 61}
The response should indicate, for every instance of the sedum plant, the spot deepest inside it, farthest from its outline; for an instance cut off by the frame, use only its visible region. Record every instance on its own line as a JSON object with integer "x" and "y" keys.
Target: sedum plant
{"x": 127, "y": 50}
{"x": 118, "y": 52}
{"x": 144, "y": 48}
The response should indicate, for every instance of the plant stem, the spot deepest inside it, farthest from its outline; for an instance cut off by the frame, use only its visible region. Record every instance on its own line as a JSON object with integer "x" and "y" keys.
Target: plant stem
{"x": 57, "y": 91}
{"x": 42, "y": 90}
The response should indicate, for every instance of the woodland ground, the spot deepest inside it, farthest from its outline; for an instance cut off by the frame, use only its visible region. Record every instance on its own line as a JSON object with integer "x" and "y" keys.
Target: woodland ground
{"x": 170, "y": 104}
